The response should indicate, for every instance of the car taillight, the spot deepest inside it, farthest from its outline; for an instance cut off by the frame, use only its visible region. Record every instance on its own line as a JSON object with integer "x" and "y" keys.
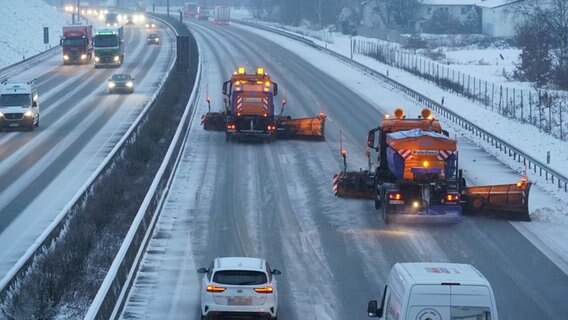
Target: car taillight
{"x": 232, "y": 126}
{"x": 264, "y": 290}
{"x": 271, "y": 128}
{"x": 394, "y": 195}
{"x": 213, "y": 288}
{"x": 452, "y": 198}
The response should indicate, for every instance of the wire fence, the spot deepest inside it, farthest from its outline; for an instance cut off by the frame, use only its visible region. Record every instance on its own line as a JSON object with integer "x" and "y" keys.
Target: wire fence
{"x": 545, "y": 109}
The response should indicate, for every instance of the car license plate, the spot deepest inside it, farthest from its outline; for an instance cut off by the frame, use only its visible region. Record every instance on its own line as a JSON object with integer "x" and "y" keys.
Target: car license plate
{"x": 239, "y": 301}
{"x": 14, "y": 124}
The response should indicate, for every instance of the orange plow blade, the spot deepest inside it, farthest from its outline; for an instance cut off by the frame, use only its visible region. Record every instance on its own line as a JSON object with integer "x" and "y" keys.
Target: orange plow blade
{"x": 214, "y": 121}
{"x": 353, "y": 185}
{"x": 507, "y": 200}
{"x": 306, "y": 128}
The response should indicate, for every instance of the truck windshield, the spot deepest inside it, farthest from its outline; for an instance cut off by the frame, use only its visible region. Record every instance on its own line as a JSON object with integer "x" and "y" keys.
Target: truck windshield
{"x": 11, "y": 100}
{"x": 105, "y": 41}
{"x": 74, "y": 41}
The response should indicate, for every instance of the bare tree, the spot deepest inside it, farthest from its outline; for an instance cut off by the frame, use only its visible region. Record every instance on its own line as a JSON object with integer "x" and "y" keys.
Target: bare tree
{"x": 552, "y": 16}
{"x": 319, "y": 7}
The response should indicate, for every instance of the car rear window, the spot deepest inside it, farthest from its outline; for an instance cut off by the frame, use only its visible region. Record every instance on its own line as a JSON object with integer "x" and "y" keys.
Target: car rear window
{"x": 239, "y": 277}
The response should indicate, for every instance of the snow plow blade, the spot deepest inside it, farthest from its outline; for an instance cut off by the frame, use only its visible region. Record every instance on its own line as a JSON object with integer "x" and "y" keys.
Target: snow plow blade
{"x": 302, "y": 128}
{"x": 214, "y": 121}
{"x": 510, "y": 201}
{"x": 354, "y": 185}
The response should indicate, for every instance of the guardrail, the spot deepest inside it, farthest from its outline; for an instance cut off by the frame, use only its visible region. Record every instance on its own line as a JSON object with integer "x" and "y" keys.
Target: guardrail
{"x": 55, "y": 229}
{"x": 538, "y": 167}
{"x": 25, "y": 64}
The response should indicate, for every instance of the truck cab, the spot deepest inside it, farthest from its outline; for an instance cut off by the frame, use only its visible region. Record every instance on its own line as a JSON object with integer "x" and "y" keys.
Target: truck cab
{"x": 19, "y": 105}
{"x": 435, "y": 291}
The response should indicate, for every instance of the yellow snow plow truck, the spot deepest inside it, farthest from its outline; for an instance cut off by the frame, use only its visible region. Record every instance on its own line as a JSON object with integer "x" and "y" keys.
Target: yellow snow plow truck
{"x": 417, "y": 177}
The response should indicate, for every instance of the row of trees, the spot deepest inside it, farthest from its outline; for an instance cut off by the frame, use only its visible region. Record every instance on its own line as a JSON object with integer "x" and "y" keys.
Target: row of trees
{"x": 542, "y": 34}
{"x": 543, "y": 38}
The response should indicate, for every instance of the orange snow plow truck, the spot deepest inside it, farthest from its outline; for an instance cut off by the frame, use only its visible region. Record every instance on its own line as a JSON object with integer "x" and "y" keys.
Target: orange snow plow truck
{"x": 250, "y": 113}
{"x": 417, "y": 177}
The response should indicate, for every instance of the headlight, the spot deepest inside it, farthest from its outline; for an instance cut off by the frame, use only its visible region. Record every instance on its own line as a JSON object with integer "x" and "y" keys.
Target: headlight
{"x": 28, "y": 113}
{"x": 129, "y": 84}
{"x": 1, "y": 115}
{"x": 116, "y": 58}
{"x": 65, "y": 57}
{"x": 111, "y": 85}
{"x": 97, "y": 59}
{"x": 83, "y": 56}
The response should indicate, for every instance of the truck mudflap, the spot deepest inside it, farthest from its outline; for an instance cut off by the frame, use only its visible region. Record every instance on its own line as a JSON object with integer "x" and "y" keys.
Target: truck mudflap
{"x": 509, "y": 201}
{"x": 214, "y": 121}
{"x": 354, "y": 185}
{"x": 301, "y": 128}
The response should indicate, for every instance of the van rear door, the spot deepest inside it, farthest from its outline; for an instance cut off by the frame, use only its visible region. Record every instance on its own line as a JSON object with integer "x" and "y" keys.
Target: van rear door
{"x": 429, "y": 302}
{"x": 471, "y": 302}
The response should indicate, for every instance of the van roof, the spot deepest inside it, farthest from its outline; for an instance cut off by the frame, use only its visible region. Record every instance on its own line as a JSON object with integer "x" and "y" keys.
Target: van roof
{"x": 17, "y": 87}
{"x": 437, "y": 273}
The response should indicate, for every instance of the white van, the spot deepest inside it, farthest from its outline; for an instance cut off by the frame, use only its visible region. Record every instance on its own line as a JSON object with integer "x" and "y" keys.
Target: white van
{"x": 435, "y": 291}
{"x": 19, "y": 105}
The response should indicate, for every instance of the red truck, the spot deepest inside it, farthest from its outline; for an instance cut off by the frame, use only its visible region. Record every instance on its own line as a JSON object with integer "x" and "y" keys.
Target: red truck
{"x": 77, "y": 44}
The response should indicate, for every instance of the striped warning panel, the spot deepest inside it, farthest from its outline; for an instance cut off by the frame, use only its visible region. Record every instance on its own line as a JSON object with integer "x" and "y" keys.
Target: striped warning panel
{"x": 239, "y": 103}
{"x": 335, "y": 179}
{"x": 444, "y": 154}
{"x": 265, "y": 104}
{"x": 405, "y": 154}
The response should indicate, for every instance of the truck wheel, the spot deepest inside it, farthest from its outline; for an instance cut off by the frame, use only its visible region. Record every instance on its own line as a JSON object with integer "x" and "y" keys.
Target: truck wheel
{"x": 377, "y": 201}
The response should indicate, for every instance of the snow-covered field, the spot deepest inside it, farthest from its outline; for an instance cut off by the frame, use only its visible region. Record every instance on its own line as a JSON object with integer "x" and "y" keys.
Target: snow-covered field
{"x": 21, "y": 28}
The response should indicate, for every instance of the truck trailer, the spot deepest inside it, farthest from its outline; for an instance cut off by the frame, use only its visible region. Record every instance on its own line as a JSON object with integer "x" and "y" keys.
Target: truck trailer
{"x": 109, "y": 47}
{"x": 250, "y": 112}
{"x": 222, "y": 14}
{"x": 417, "y": 178}
{"x": 77, "y": 44}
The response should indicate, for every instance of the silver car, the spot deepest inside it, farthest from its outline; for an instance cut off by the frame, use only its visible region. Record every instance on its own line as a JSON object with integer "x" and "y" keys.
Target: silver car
{"x": 239, "y": 287}
{"x": 121, "y": 82}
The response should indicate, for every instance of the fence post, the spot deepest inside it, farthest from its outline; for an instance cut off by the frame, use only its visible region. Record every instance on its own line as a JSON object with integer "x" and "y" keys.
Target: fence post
{"x": 492, "y": 96}
{"x": 485, "y": 97}
{"x": 530, "y": 107}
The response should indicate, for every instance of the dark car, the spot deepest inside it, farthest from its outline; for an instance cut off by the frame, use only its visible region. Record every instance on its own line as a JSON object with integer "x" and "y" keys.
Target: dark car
{"x": 129, "y": 20}
{"x": 153, "y": 39}
{"x": 121, "y": 82}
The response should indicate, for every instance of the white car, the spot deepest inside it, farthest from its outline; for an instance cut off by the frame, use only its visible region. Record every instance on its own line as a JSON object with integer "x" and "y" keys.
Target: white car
{"x": 239, "y": 287}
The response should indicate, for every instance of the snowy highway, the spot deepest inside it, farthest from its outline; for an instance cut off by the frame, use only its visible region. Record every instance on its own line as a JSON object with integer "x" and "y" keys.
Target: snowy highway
{"x": 275, "y": 201}
{"x": 80, "y": 123}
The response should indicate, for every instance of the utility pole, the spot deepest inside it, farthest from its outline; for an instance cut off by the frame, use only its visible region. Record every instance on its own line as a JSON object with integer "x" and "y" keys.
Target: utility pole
{"x": 168, "y": 8}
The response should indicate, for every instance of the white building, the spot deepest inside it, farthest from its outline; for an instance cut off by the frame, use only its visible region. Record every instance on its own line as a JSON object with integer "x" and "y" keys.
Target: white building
{"x": 497, "y": 19}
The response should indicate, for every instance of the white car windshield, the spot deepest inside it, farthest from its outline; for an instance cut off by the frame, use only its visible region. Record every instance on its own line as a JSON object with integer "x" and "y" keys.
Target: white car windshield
{"x": 240, "y": 277}
{"x": 7, "y": 100}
